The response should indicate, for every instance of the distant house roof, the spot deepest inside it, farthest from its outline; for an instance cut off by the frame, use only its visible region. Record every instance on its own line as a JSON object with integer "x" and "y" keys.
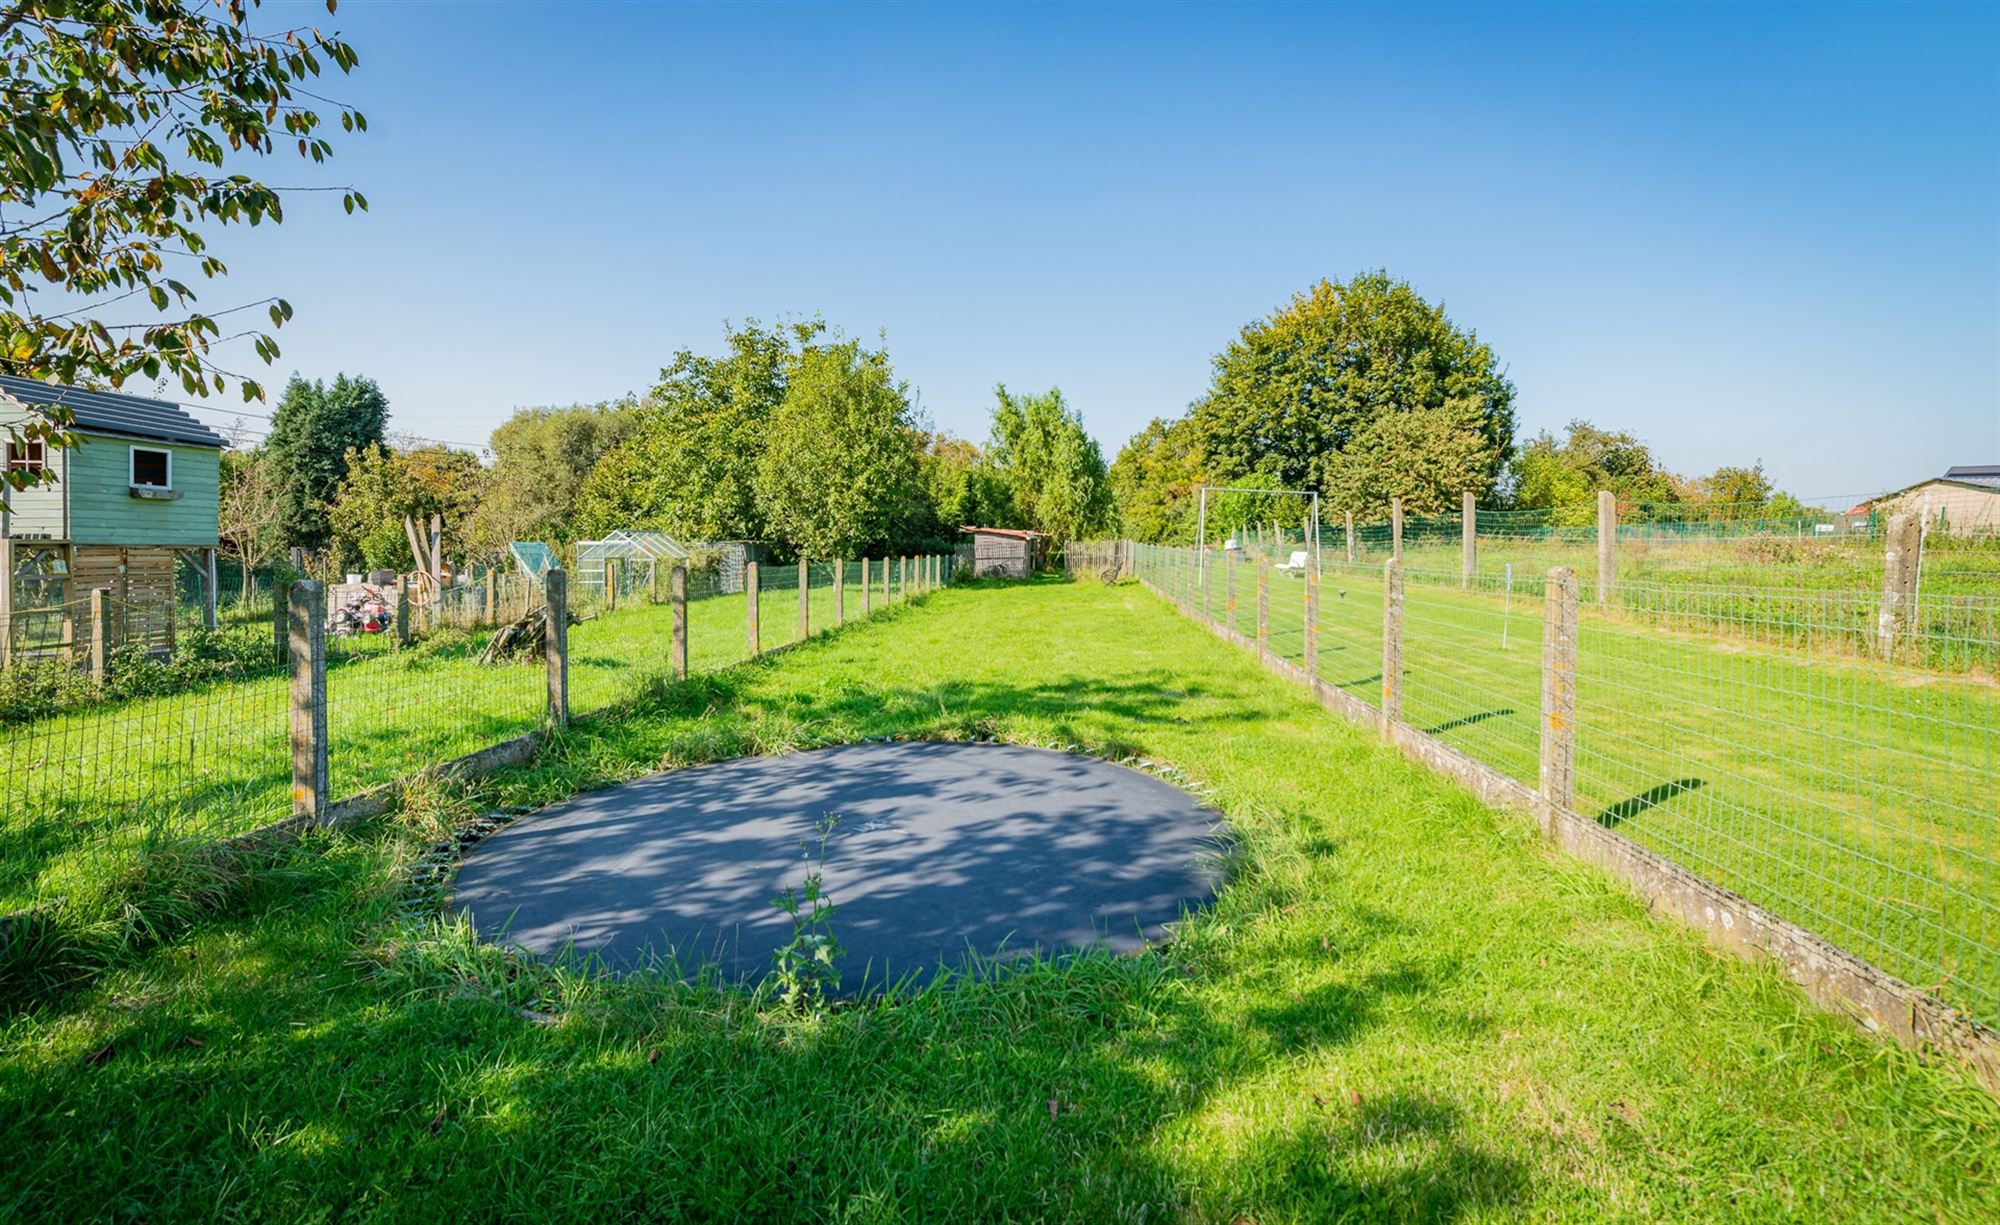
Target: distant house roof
{"x": 112, "y": 412}
{"x": 1981, "y": 474}
{"x": 1014, "y": 532}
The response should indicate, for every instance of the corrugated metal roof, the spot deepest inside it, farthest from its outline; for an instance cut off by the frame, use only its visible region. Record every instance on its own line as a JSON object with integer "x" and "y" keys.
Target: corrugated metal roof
{"x": 114, "y": 412}
{"x": 1981, "y": 474}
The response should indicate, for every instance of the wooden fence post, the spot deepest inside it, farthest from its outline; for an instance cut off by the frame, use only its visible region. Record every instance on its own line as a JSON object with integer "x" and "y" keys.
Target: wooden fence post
{"x": 750, "y": 590}
{"x": 1468, "y": 557}
{"x": 1311, "y": 631}
{"x": 402, "y": 614}
{"x": 867, "y": 592}
{"x": 1396, "y": 528}
{"x": 678, "y": 582}
{"x": 307, "y": 648}
{"x": 1264, "y": 609}
{"x": 652, "y": 580}
{"x": 805, "y": 600}
{"x": 886, "y": 597}
{"x": 1902, "y": 546}
{"x": 840, "y": 593}
{"x": 208, "y": 592}
{"x": 100, "y": 635}
{"x": 611, "y": 566}
{"x": 1557, "y": 787}
{"x": 1229, "y": 588}
{"x": 6, "y": 600}
{"x": 1350, "y": 537}
{"x": 1607, "y": 545}
{"x": 492, "y": 608}
{"x": 1392, "y": 642}
{"x": 903, "y": 578}
{"x": 555, "y": 611}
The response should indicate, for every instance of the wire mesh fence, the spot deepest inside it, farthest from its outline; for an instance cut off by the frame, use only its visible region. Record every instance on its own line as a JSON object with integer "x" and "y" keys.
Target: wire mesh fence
{"x": 1759, "y": 735}
{"x": 113, "y": 746}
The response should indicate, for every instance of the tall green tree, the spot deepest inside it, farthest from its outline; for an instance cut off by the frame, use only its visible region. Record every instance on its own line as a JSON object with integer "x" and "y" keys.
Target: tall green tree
{"x": 315, "y": 428}
{"x": 1736, "y": 486}
{"x": 1295, "y": 392}
{"x": 1429, "y": 457}
{"x": 118, "y": 117}
{"x": 1053, "y": 469}
{"x": 839, "y": 466}
{"x": 248, "y": 504}
{"x": 1155, "y": 483}
{"x": 961, "y": 487}
{"x": 1563, "y": 475}
{"x": 691, "y": 470}
{"x": 541, "y": 459}
{"x": 384, "y": 486}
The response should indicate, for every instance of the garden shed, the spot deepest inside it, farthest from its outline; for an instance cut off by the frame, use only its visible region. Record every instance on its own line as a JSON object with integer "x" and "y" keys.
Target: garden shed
{"x": 133, "y": 500}
{"x": 1005, "y": 552}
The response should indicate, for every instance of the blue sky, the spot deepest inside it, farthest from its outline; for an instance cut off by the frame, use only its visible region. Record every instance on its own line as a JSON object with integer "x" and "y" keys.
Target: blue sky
{"x": 1746, "y": 232}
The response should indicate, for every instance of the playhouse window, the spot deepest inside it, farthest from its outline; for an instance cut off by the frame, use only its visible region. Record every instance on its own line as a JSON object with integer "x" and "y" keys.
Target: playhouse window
{"x": 27, "y": 456}
{"x": 152, "y": 469}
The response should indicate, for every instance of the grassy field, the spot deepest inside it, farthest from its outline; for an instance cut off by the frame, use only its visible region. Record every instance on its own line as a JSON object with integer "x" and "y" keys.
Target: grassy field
{"x": 1853, "y": 799}
{"x": 89, "y": 790}
{"x": 1402, "y": 1006}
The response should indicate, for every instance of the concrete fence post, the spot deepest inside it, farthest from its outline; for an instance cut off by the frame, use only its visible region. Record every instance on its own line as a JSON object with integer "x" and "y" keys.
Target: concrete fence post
{"x": 1311, "y": 631}
{"x": 1229, "y": 588}
{"x": 750, "y": 592}
{"x": 677, "y": 583}
{"x": 402, "y": 615}
{"x": 1557, "y": 787}
{"x": 100, "y": 634}
{"x": 1392, "y": 642}
{"x": 1396, "y": 528}
{"x": 1468, "y": 548}
{"x": 1263, "y": 609}
{"x": 840, "y": 592}
{"x": 555, "y": 646}
{"x": 867, "y": 592}
{"x": 1607, "y": 545}
{"x": 306, "y": 644}
{"x": 1350, "y": 537}
{"x": 1901, "y": 549}
{"x": 281, "y": 619}
{"x": 805, "y": 600}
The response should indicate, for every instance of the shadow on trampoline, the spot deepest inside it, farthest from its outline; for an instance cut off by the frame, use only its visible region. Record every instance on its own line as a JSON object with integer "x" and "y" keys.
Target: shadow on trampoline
{"x": 940, "y": 849}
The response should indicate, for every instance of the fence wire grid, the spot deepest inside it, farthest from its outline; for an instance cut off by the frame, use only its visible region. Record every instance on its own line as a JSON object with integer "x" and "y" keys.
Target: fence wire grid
{"x": 1759, "y": 734}
{"x": 103, "y": 759}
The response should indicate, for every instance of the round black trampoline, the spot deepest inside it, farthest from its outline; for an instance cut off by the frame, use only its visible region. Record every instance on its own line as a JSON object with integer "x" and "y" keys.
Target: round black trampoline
{"x": 939, "y": 850}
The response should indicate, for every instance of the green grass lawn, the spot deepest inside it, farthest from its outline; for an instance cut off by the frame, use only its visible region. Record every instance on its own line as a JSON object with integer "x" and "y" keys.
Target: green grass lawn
{"x": 1855, "y": 800}
{"x": 1403, "y": 1005}
{"x": 89, "y": 789}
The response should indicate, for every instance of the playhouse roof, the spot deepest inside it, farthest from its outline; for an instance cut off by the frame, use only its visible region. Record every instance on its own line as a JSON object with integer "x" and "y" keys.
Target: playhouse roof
{"x": 112, "y": 412}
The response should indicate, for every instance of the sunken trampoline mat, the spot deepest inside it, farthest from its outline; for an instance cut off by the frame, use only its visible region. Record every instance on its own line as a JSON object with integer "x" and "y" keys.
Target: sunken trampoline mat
{"x": 938, "y": 850}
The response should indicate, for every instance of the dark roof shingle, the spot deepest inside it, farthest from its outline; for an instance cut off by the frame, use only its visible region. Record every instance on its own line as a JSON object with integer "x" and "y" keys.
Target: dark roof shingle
{"x": 114, "y": 412}
{"x": 1978, "y": 474}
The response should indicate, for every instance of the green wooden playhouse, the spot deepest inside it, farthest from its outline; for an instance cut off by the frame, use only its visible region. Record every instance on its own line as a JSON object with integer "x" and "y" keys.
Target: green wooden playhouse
{"x": 132, "y": 503}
